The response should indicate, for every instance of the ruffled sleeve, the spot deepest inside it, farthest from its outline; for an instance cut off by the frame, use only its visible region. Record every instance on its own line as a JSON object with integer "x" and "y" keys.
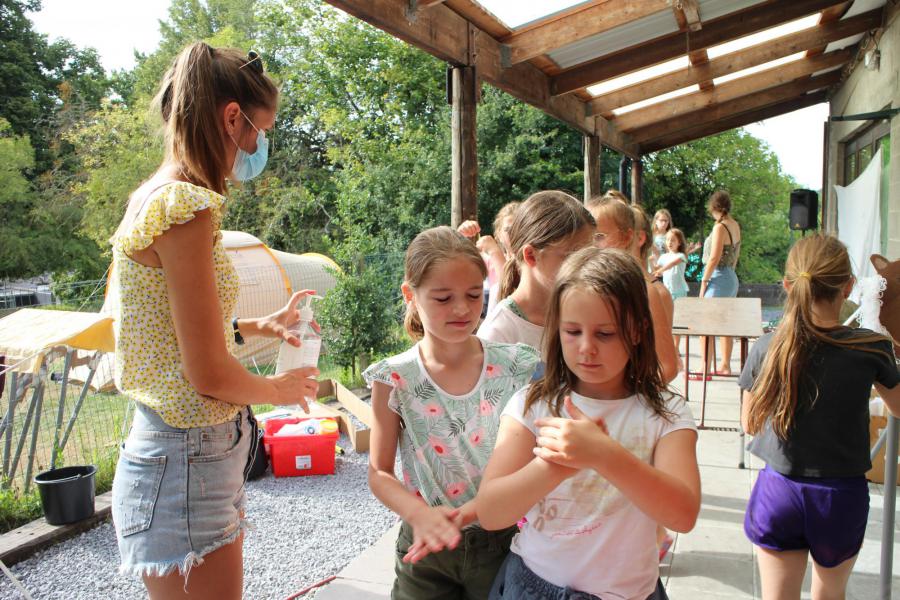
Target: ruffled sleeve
{"x": 172, "y": 204}
{"x": 388, "y": 374}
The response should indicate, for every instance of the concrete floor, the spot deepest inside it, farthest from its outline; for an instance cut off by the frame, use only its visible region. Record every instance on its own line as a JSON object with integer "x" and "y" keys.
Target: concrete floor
{"x": 715, "y": 560}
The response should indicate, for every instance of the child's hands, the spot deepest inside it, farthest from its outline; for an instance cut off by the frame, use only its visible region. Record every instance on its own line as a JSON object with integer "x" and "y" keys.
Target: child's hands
{"x": 419, "y": 550}
{"x": 469, "y": 229}
{"x": 574, "y": 443}
{"x": 434, "y": 529}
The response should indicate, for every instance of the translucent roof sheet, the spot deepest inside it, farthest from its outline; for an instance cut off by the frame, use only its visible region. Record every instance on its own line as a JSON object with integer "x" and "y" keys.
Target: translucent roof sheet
{"x": 516, "y": 13}
{"x": 657, "y": 99}
{"x": 764, "y": 36}
{"x": 616, "y": 83}
{"x": 758, "y": 68}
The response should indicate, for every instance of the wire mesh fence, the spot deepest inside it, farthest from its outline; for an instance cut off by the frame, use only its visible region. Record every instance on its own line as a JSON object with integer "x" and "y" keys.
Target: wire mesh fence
{"x": 65, "y": 410}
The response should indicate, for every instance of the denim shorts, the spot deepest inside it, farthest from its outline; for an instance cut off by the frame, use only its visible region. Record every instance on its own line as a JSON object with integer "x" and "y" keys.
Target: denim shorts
{"x": 515, "y": 581}
{"x": 723, "y": 283}
{"x": 827, "y": 516}
{"x": 178, "y": 494}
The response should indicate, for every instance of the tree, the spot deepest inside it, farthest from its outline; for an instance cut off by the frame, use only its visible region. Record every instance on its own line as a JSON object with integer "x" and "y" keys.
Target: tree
{"x": 682, "y": 178}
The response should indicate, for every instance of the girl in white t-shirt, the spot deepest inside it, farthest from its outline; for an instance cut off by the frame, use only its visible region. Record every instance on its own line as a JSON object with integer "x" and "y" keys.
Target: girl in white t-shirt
{"x": 548, "y": 227}
{"x": 597, "y": 452}
{"x": 671, "y": 267}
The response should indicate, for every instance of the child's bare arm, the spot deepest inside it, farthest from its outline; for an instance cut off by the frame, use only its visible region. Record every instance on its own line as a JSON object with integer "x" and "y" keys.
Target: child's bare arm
{"x": 746, "y": 400}
{"x": 433, "y": 526}
{"x": 891, "y": 397}
{"x": 514, "y": 479}
{"x": 668, "y": 491}
{"x": 661, "y": 311}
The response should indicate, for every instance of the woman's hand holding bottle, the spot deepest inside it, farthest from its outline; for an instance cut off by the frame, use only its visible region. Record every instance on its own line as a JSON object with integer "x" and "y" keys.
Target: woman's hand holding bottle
{"x": 295, "y": 386}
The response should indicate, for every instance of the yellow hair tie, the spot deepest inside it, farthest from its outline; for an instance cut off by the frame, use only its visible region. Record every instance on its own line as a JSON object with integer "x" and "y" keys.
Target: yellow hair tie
{"x": 805, "y": 275}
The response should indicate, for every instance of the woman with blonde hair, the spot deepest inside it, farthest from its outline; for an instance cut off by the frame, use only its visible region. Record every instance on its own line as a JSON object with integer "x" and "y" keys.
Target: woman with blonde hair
{"x": 178, "y": 493}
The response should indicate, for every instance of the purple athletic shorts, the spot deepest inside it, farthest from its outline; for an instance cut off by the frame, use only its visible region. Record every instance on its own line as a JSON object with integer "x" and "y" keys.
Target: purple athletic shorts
{"x": 827, "y": 516}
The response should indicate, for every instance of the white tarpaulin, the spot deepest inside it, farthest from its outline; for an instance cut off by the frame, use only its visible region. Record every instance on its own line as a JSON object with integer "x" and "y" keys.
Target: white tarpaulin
{"x": 859, "y": 219}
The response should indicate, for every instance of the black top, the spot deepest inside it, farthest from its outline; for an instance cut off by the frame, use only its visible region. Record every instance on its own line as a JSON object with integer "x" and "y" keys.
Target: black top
{"x": 830, "y": 436}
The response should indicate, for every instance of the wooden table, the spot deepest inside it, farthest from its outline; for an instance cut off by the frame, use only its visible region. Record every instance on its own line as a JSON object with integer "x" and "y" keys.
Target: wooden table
{"x": 711, "y": 318}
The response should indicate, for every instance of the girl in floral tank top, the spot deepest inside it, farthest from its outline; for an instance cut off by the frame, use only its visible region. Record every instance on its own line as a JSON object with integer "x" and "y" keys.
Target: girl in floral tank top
{"x": 441, "y": 401}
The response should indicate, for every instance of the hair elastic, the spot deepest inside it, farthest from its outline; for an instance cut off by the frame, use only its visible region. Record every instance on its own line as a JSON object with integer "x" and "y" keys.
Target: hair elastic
{"x": 805, "y": 275}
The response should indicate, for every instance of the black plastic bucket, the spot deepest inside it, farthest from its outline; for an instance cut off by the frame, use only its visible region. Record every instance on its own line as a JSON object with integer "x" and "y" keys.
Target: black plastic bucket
{"x": 67, "y": 493}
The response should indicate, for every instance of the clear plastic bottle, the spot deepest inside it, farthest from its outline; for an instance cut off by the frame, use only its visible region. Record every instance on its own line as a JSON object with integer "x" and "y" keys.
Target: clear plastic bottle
{"x": 307, "y": 355}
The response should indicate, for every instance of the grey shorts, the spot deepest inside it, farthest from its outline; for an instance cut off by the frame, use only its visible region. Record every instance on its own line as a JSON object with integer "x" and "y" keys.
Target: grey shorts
{"x": 178, "y": 494}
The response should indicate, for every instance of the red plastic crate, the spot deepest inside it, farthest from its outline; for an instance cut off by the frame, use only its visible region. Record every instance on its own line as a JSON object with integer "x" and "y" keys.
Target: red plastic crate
{"x": 295, "y": 455}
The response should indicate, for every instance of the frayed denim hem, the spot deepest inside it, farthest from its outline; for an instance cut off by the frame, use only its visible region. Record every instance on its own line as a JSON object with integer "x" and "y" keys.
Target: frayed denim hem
{"x": 193, "y": 559}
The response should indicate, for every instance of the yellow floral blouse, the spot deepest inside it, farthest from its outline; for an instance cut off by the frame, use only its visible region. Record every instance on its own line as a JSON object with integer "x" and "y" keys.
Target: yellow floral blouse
{"x": 148, "y": 362}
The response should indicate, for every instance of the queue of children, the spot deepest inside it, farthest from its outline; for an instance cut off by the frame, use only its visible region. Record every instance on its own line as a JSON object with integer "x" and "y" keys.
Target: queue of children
{"x": 538, "y": 457}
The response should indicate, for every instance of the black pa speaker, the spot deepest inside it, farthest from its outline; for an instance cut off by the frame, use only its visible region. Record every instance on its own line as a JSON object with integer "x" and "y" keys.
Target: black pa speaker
{"x": 804, "y": 212}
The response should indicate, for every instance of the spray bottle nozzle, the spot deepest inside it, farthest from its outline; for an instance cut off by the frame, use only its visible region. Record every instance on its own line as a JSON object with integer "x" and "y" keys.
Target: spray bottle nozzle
{"x": 306, "y": 313}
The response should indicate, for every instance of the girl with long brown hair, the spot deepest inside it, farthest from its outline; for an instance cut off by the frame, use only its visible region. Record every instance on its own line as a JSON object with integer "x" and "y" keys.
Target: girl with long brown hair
{"x": 178, "y": 493}
{"x": 806, "y": 401}
{"x": 595, "y": 453}
{"x": 441, "y": 401}
{"x": 547, "y": 228}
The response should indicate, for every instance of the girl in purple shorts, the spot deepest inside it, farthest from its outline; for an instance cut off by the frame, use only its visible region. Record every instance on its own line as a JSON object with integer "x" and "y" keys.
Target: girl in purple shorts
{"x": 806, "y": 401}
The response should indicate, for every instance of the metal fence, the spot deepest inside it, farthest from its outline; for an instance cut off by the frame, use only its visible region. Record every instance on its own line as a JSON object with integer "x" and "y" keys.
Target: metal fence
{"x": 68, "y": 412}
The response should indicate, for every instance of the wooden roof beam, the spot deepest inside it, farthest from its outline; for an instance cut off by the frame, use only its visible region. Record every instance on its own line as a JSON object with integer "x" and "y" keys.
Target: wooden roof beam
{"x": 687, "y": 13}
{"x": 731, "y": 90}
{"x": 725, "y": 28}
{"x": 737, "y": 61}
{"x": 576, "y": 25}
{"x": 682, "y": 137}
{"x": 731, "y": 108}
{"x": 443, "y": 33}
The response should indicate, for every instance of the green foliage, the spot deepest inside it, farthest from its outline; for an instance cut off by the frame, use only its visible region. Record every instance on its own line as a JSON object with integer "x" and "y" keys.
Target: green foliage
{"x": 682, "y": 178}
{"x": 357, "y": 317}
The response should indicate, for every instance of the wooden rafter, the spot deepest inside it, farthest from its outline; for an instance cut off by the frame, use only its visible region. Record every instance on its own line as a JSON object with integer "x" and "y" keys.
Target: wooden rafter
{"x": 426, "y": 3}
{"x": 717, "y": 31}
{"x": 442, "y": 32}
{"x": 576, "y": 25}
{"x": 750, "y": 102}
{"x": 731, "y": 90}
{"x": 830, "y": 15}
{"x": 687, "y": 14}
{"x": 736, "y": 61}
{"x": 714, "y": 127}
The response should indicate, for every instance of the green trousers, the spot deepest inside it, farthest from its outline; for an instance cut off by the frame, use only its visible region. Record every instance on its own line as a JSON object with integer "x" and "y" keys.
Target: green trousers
{"x": 464, "y": 573}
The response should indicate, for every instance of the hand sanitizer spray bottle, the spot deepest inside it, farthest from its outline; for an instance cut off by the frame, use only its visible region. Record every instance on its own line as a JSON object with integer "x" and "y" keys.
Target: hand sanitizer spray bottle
{"x": 307, "y": 355}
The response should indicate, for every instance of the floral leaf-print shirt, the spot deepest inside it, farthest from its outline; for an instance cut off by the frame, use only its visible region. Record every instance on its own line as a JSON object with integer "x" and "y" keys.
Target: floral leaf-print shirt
{"x": 446, "y": 440}
{"x": 149, "y": 368}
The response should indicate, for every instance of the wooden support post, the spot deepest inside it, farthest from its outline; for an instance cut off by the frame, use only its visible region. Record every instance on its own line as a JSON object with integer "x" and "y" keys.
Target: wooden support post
{"x": 464, "y": 185}
{"x": 591, "y": 166}
{"x": 637, "y": 181}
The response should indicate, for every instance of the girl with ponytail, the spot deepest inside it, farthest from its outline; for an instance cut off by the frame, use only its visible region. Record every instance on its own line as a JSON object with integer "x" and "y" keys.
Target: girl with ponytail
{"x": 441, "y": 401}
{"x": 806, "y": 401}
{"x": 548, "y": 227}
{"x": 178, "y": 493}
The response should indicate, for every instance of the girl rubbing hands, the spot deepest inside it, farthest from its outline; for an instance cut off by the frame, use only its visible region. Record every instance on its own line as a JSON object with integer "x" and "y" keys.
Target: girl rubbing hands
{"x": 597, "y": 452}
{"x": 441, "y": 401}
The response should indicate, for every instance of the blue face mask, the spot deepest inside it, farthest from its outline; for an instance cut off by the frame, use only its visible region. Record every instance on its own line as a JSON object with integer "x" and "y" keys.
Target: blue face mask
{"x": 246, "y": 165}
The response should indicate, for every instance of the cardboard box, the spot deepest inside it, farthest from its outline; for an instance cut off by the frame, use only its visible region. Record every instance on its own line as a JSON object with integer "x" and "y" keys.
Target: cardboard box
{"x": 877, "y": 424}
{"x": 351, "y": 403}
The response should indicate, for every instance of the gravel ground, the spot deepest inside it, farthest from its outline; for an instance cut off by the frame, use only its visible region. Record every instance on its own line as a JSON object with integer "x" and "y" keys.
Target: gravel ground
{"x": 306, "y": 528}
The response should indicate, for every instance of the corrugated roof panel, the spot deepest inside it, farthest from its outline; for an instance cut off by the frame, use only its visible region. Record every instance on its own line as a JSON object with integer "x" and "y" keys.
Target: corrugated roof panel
{"x": 844, "y": 42}
{"x": 639, "y": 31}
{"x": 861, "y": 6}
{"x": 828, "y": 70}
{"x": 713, "y": 9}
{"x": 624, "y": 36}
{"x": 515, "y": 13}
